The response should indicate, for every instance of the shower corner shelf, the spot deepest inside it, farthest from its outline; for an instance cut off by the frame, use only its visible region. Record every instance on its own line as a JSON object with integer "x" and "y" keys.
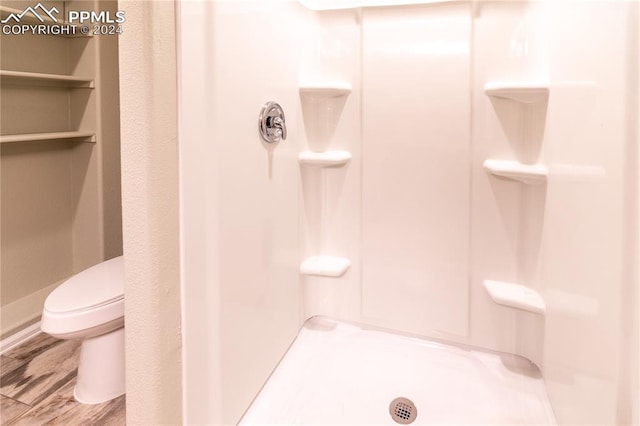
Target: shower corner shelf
{"x": 521, "y": 91}
{"x": 328, "y": 90}
{"x": 42, "y": 79}
{"x": 525, "y": 173}
{"x": 33, "y": 137}
{"x": 515, "y": 296}
{"x": 325, "y": 266}
{"x": 325, "y": 159}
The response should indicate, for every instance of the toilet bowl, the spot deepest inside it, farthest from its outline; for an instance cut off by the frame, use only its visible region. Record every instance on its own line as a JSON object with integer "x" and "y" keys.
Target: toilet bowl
{"x": 90, "y": 306}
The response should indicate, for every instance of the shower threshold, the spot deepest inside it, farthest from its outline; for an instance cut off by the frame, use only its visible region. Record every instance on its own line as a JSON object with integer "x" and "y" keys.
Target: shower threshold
{"x": 340, "y": 373}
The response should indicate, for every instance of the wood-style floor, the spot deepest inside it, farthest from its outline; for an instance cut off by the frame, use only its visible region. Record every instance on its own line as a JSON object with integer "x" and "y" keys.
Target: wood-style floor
{"x": 36, "y": 387}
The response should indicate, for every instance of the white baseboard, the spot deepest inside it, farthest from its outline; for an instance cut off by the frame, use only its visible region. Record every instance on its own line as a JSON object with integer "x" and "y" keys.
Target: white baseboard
{"x": 24, "y": 311}
{"x": 19, "y": 338}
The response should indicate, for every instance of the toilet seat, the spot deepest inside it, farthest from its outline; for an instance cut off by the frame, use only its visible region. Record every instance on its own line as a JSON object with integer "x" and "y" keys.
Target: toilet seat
{"x": 93, "y": 298}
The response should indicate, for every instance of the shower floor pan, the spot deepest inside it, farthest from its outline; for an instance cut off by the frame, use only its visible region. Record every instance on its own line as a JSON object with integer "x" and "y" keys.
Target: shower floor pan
{"x": 339, "y": 373}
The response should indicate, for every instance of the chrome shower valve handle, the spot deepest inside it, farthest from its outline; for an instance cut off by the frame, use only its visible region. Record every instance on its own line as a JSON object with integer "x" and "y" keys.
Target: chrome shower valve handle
{"x": 271, "y": 123}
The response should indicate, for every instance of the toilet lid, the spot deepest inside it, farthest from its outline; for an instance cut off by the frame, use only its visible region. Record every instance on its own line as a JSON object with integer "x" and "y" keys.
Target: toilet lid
{"x": 99, "y": 285}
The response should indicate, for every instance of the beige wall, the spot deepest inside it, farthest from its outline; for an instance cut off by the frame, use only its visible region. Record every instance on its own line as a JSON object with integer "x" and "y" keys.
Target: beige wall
{"x": 635, "y": 321}
{"x": 150, "y": 213}
{"x": 60, "y": 199}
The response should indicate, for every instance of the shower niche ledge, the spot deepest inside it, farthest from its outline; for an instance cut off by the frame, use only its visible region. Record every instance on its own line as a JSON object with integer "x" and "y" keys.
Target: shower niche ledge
{"x": 520, "y": 91}
{"x": 532, "y": 174}
{"x": 325, "y": 266}
{"x": 325, "y": 89}
{"x": 515, "y": 296}
{"x": 325, "y": 159}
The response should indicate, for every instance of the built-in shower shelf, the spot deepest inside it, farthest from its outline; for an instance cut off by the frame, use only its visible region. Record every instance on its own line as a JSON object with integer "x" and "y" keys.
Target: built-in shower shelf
{"x": 329, "y": 90}
{"x": 325, "y": 266}
{"x": 515, "y": 296}
{"x": 525, "y": 173}
{"x": 524, "y": 92}
{"x": 32, "y": 137}
{"x": 325, "y": 159}
{"x": 41, "y": 79}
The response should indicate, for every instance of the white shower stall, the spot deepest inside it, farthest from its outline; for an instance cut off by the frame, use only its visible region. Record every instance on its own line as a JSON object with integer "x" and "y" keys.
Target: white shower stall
{"x": 460, "y": 172}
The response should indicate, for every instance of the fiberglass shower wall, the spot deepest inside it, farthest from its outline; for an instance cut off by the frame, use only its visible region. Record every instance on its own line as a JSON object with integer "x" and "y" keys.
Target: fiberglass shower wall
{"x": 407, "y": 103}
{"x": 240, "y": 200}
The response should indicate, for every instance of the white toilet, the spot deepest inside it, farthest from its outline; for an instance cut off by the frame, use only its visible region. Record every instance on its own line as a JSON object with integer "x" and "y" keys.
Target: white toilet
{"x": 90, "y": 306}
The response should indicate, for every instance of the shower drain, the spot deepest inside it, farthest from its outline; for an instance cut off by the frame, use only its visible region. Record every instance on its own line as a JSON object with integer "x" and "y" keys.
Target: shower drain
{"x": 403, "y": 411}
